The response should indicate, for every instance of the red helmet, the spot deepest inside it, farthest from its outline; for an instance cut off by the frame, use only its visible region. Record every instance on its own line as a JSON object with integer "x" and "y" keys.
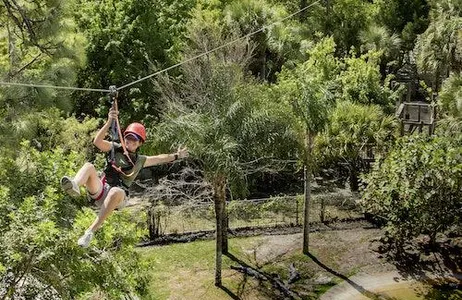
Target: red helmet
{"x": 138, "y": 129}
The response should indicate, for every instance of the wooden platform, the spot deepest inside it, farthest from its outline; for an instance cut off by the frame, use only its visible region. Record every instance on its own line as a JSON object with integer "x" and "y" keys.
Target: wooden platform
{"x": 415, "y": 116}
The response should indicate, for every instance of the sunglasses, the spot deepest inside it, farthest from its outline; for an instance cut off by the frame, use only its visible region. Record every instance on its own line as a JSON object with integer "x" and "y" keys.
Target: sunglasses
{"x": 131, "y": 137}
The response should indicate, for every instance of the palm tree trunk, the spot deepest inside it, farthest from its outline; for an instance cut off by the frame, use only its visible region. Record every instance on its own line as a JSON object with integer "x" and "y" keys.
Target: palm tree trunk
{"x": 151, "y": 223}
{"x": 219, "y": 197}
{"x": 225, "y": 229}
{"x": 307, "y": 179}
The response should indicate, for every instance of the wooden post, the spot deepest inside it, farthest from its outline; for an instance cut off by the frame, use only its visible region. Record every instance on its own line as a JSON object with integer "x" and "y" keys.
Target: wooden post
{"x": 296, "y": 212}
{"x": 307, "y": 176}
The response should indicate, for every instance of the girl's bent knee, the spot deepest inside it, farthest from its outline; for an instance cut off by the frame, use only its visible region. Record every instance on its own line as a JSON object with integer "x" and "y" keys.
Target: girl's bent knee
{"x": 116, "y": 192}
{"x": 89, "y": 166}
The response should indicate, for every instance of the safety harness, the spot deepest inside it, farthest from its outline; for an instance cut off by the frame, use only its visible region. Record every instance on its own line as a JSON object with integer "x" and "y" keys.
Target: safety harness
{"x": 116, "y": 133}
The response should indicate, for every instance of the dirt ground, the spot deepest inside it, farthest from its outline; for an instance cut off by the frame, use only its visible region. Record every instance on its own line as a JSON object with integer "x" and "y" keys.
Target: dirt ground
{"x": 346, "y": 260}
{"x": 349, "y": 258}
{"x": 349, "y": 246}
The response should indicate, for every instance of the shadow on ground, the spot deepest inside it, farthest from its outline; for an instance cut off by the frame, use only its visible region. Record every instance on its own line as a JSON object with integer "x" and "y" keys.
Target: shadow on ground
{"x": 355, "y": 285}
{"x": 279, "y": 290}
{"x": 438, "y": 264}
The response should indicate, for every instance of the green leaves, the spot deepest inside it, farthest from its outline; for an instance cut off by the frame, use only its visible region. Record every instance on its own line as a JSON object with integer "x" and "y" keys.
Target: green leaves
{"x": 450, "y": 98}
{"x": 127, "y": 41}
{"x": 437, "y": 50}
{"x": 416, "y": 188}
{"x": 352, "y": 126}
{"x": 306, "y": 88}
{"x": 39, "y": 255}
{"x": 39, "y": 44}
{"x": 361, "y": 82}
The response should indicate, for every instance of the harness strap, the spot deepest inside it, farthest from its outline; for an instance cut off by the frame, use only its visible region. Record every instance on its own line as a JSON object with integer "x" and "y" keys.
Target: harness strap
{"x": 103, "y": 182}
{"x": 115, "y": 130}
{"x": 118, "y": 169}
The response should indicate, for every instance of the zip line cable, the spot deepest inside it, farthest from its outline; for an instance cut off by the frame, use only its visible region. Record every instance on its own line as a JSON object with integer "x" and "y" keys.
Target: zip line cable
{"x": 217, "y": 48}
{"x": 54, "y": 87}
{"x": 163, "y": 70}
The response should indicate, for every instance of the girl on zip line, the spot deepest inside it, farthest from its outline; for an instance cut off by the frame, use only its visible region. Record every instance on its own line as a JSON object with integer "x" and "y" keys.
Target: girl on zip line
{"x": 123, "y": 163}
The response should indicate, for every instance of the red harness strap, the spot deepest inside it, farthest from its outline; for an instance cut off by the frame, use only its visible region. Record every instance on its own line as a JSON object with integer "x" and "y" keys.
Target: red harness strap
{"x": 118, "y": 169}
{"x": 103, "y": 182}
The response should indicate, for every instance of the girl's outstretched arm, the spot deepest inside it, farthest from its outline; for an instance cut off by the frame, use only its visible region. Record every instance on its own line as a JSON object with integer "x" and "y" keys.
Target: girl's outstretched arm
{"x": 166, "y": 158}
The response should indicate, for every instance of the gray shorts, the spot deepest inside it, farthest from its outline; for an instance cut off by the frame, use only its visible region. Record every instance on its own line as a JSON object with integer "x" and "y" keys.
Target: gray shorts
{"x": 101, "y": 195}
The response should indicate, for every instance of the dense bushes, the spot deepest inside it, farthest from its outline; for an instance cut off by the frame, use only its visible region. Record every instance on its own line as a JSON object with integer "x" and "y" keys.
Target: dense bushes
{"x": 417, "y": 188}
{"x": 39, "y": 256}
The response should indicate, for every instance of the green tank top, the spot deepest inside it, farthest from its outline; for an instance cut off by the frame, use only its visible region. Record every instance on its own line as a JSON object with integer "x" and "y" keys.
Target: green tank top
{"x": 115, "y": 178}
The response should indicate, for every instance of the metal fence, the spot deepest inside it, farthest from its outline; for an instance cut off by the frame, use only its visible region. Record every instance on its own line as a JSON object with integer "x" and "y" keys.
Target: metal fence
{"x": 274, "y": 211}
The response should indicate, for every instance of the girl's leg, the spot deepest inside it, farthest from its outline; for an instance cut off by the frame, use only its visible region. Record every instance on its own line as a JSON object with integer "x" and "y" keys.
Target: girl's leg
{"x": 113, "y": 199}
{"x": 88, "y": 176}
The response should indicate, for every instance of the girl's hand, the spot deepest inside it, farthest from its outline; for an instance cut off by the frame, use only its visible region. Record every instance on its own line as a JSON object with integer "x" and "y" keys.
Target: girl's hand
{"x": 182, "y": 152}
{"x": 113, "y": 114}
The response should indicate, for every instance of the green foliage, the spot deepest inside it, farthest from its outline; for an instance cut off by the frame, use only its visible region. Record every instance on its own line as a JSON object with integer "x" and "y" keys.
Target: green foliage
{"x": 361, "y": 82}
{"x": 378, "y": 39}
{"x": 348, "y": 17}
{"x": 47, "y": 130}
{"x": 403, "y": 17}
{"x": 354, "y": 131}
{"x": 38, "y": 44}
{"x": 450, "y": 97}
{"x": 30, "y": 171}
{"x": 351, "y": 128}
{"x": 265, "y": 124}
{"x": 230, "y": 127}
{"x": 39, "y": 256}
{"x": 128, "y": 40}
{"x": 274, "y": 45}
{"x": 437, "y": 50}
{"x": 268, "y": 211}
{"x": 306, "y": 87}
{"x": 240, "y": 210}
{"x": 416, "y": 188}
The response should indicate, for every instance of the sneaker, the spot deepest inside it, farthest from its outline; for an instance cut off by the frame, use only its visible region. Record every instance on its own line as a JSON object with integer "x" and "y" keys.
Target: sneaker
{"x": 70, "y": 187}
{"x": 85, "y": 239}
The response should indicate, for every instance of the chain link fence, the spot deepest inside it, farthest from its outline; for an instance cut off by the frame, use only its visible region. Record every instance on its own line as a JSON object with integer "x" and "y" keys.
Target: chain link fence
{"x": 275, "y": 211}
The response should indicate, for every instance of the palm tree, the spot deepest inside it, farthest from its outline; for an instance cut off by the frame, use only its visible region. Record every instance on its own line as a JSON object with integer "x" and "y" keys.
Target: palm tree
{"x": 437, "y": 50}
{"x": 275, "y": 44}
{"x": 352, "y": 128}
{"x": 306, "y": 90}
{"x": 450, "y": 98}
{"x": 230, "y": 125}
{"x": 378, "y": 39}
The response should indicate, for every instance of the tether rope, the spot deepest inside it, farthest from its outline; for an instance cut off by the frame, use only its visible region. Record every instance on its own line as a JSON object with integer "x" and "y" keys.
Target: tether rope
{"x": 54, "y": 87}
{"x": 166, "y": 69}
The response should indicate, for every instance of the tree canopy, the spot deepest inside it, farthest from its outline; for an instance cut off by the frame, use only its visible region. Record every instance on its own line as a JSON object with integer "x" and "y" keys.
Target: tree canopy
{"x": 251, "y": 88}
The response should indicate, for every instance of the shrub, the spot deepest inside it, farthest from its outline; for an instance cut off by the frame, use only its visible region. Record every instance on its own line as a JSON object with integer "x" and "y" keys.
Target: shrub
{"x": 417, "y": 188}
